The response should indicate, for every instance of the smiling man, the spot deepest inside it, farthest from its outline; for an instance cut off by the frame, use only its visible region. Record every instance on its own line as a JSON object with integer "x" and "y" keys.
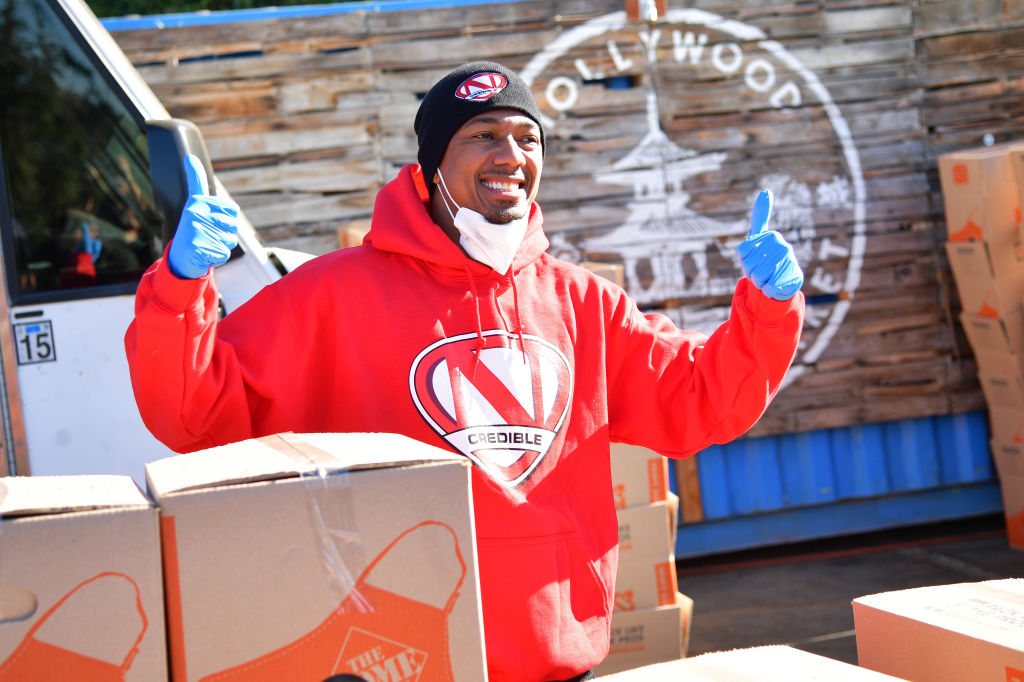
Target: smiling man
{"x": 451, "y": 324}
{"x": 481, "y": 151}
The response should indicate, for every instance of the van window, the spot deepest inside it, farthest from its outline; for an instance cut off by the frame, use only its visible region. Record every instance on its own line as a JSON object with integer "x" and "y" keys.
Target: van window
{"x": 76, "y": 202}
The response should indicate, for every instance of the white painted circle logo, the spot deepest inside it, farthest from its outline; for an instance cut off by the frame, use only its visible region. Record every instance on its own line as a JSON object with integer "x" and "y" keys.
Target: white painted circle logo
{"x": 679, "y": 245}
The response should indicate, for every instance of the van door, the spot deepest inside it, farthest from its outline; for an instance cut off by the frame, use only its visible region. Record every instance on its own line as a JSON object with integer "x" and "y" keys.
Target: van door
{"x": 79, "y": 227}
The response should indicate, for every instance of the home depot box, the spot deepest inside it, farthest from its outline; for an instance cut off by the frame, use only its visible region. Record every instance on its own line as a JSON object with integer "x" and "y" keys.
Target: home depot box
{"x": 646, "y": 582}
{"x": 295, "y": 557}
{"x": 980, "y": 195}
{"x": 352, "y": 233}
{"x": 646, "y": 530}
{"x": 639, "y": 475}
{"x": 647, "y": 571}
{"x": 1017, "y": 163}
{"x": 1002, "y": 334}
{"x": 611, "y": 271}
{"x": 1009, "y": 459}
{"x": 81, "y": 594}
{"x": 648, "y": 636}
{"x": 1006, "y": 424}
{"x": 776, "y": 663}
{"x": 989, "y": 280}
{"x": 1001, "y": 378}
{"x": 944, "y": 633}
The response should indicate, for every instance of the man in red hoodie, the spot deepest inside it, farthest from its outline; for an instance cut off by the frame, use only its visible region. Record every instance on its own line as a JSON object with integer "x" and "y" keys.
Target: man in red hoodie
{"x": 452, "y": 325}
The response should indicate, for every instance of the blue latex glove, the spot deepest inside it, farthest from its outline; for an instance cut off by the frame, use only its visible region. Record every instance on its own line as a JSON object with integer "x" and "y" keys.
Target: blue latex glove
{"x": 89, "y": 244}
{"x": 207, "y": 230}
{"x": 768, "y": 259}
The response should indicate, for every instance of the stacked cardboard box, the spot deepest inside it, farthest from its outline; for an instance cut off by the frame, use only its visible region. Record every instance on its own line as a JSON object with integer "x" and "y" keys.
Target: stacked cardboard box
{"x": 944, "y": 633}
{"x": 982, "y": 195}
{"x": 610, "y": 271}
{"x": 651, "y": 619}
{"x": 81, "y": 591}
{"x": 352, "y": 233}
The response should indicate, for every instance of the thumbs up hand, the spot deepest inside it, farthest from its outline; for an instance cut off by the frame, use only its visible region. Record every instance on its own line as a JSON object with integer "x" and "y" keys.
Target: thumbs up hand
{"x": 768, "y": 259}
{"x": 207, "y": 230}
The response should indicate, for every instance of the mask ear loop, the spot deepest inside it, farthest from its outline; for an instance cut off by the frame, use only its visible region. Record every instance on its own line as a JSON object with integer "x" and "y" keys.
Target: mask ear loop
{"x": 444, "y": 187}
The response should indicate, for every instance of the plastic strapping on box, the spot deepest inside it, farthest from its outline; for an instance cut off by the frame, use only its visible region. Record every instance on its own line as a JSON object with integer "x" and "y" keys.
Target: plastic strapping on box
{"x": 331, "y": 516}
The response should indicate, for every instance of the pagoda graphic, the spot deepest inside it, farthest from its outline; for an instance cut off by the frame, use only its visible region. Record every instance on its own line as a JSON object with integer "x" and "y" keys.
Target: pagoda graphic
{"x": 660, "y": 227}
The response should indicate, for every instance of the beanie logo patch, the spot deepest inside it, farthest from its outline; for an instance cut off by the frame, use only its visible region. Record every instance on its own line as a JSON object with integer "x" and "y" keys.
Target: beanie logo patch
{"x": 481, "y": 86}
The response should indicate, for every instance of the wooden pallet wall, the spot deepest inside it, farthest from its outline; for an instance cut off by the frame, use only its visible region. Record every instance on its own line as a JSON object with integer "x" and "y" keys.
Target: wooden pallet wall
{"x": 306, "y": 118}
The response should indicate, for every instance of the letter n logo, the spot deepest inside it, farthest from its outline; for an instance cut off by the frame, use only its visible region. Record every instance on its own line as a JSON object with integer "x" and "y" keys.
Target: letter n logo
{"x": 495, "y": 404}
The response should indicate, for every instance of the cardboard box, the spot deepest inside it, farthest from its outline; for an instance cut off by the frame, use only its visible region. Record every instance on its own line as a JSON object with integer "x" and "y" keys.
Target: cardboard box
{"x": 1017, "y": 163}
{"x": 646, "y": 575}
{"x": 944, "y": 633}
{"x": 646, "y": 531}
{"x": 776, "y": 663}
{"x": 646, "y": 582}
{"x": 1001, "y": 380}
{"x": 352, "y": 234}
{"x": 301, "y": 556}
{"x": 980, "y": 194}
{"x": 989, "y": 281}
{"x": 81, "y": 593}
{"x": 1006, "y": 424}
{"x": 639, "y": 476}
{"x": 611, "y": 271}
{"x": 999, "y": 362}
{"x": 1002, "y": 335}
{"x": 648, "y": 636}
{"x": 1009, "y": 459}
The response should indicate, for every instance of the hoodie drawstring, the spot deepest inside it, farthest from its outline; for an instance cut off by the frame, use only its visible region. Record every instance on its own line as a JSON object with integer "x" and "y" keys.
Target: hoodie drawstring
{"x": 519, "y": 317}
{"x": 479, "y": 322}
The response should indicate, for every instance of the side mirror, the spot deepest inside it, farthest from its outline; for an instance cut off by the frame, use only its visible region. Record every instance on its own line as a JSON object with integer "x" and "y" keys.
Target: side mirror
{"x": 169, "y": 140}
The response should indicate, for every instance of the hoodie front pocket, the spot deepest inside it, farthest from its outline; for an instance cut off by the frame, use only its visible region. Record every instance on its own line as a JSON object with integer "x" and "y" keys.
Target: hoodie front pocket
{"x": 542, "y": 595}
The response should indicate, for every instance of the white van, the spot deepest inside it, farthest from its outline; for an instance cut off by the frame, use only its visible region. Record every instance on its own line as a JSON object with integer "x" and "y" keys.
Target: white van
{"x": 85, "y": 145}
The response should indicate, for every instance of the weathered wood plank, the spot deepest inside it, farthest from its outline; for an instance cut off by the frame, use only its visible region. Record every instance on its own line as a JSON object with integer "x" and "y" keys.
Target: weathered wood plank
{"x": 307, "y": 118}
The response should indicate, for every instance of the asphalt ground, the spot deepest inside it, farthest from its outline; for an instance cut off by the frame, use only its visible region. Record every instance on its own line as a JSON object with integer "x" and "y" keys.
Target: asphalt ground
{"x": 800, "y": 594}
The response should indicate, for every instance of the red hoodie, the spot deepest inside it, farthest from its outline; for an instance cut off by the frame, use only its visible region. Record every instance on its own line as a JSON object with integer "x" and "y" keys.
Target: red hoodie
{"x": 530, "y": 375}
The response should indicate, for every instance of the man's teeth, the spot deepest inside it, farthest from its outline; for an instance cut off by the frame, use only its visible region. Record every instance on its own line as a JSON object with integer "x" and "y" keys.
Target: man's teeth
{"x": 502, "y": 186}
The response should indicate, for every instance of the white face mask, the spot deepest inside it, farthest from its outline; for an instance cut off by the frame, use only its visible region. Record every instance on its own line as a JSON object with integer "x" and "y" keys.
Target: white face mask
{"x": 487, "y": 242}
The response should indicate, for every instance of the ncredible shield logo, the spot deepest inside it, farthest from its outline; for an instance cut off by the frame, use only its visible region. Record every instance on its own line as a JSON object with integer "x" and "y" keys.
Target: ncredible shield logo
{"x": 497, "y": 402}
{"x": 481, "y": 86}
{"x": 728, "y": 111}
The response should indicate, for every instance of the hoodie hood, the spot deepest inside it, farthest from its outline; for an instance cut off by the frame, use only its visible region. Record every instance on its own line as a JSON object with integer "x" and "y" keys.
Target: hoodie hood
{"x": 402, "y": 224}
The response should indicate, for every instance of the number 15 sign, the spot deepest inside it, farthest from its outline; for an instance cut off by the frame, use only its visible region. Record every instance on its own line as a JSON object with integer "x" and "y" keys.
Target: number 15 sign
{"x": 34, "y": 341}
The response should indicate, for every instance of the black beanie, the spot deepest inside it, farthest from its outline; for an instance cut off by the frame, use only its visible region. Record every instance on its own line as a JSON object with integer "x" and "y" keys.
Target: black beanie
{"x": 465, "y": 92}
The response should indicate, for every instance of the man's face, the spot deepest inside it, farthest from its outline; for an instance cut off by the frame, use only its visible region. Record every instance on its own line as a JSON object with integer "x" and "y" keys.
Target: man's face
{"x": 492, "y": 165}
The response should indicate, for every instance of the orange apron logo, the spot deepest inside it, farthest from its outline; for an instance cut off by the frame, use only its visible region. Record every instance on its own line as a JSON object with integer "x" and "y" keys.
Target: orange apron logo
{"x": 376, "y": 658}
{"x": 37, "y": 661}
{"x": 374, "y": 634}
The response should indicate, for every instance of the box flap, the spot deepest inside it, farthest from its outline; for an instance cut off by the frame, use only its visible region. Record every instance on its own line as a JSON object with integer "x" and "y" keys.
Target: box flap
{"x": 287, "y": 455}
{"x": 32, "y": 495}
{"x": 991, "y": 610}
{"x": 772, "y": 662}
